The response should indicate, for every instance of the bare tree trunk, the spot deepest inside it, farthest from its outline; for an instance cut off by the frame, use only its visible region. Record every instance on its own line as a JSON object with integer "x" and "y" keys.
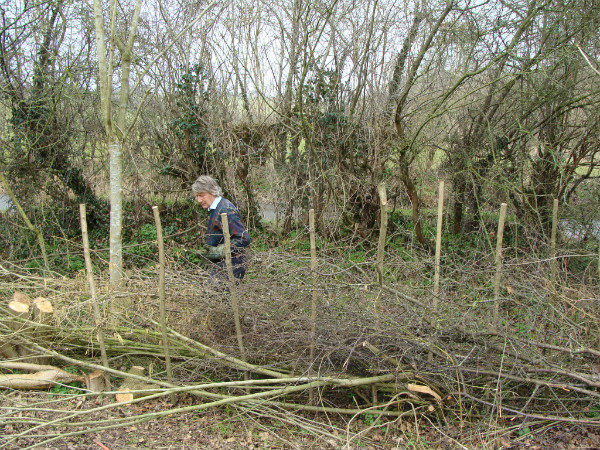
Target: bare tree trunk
{"x": 411, "y": 189}
{"x": 404, "y": 160}
{"x": 115, "y": 131}
{"x": 115, "y": 264}
{"x": 401, "y": 62}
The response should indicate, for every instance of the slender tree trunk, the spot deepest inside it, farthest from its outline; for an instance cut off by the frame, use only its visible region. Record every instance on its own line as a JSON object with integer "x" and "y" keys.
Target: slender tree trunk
{"x": 115, "y": 150}
{"x": 402, "y": 97}
{"x": 116, "y": 131}
{"x": 288, "y": 92}
{"x": 411, "y": 189}
{"x": 401, "y": 62}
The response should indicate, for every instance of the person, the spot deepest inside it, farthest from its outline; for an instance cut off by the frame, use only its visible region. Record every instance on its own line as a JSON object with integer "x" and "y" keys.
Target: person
{"x": 210, "y": 196}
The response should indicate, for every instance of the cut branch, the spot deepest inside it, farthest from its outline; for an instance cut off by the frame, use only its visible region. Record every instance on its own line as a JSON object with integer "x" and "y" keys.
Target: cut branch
{"x": 40, "y": 380}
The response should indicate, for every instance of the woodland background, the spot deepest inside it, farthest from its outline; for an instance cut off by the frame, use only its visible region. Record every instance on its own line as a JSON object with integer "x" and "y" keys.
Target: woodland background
{"x": 312, "y": 105}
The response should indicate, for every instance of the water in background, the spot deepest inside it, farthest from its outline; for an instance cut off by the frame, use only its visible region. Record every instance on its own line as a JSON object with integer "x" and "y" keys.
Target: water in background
{"x": 575, "y": 230}
{"x": 5, "y": 203}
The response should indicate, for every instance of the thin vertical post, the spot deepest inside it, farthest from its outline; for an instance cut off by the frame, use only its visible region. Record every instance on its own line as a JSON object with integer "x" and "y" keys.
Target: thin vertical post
{"x": 313, "y": 305}
{"x": 553, "y": 264}
{"x": 232, "y": 285}
{"x": 382, "y": 231}
{"x": 161, "y": 295}
{"x": 90, "y": 276}
{"x": 379, "y": 264}
{"x": 438, "y": 247}
{"x": 438, "y": 252}
{"x": 498, "y": 275}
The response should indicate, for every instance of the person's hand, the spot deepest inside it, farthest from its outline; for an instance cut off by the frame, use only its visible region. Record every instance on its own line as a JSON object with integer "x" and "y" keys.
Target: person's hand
{"x": 215, "y": 253}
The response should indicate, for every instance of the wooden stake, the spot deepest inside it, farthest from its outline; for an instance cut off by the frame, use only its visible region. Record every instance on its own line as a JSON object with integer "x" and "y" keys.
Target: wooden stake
{"x": 232, "y": 285}
{"x": 553, "y": 265}
{"x": 554, "y": 279}
{"x": 382, "y": 231}
{"x": 161, "y": 295}
{"x": 313, "y": 304}
{"x": 438, "y": 252}
{"x": 379, "y": 264}
{"x": 438, "y": 247}
{"x": 499, "y": 263}
{"x": 90, "y": 276}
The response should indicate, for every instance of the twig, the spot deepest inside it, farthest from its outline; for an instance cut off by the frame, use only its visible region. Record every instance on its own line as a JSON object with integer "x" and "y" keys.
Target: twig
{"x": 101, "y": 445}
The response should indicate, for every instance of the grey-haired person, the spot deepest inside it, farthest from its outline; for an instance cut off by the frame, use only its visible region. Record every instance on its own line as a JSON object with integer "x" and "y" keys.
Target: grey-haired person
{"x": 210, "y": 196}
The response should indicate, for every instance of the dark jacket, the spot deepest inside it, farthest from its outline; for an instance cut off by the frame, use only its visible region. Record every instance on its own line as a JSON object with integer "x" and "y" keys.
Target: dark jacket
{"x": 238, "y": 233}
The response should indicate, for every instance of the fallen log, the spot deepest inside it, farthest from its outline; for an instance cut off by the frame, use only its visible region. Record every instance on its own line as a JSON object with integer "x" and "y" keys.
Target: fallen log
{"x": 44, "y": 379}
{"x": 28, "y": 367}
